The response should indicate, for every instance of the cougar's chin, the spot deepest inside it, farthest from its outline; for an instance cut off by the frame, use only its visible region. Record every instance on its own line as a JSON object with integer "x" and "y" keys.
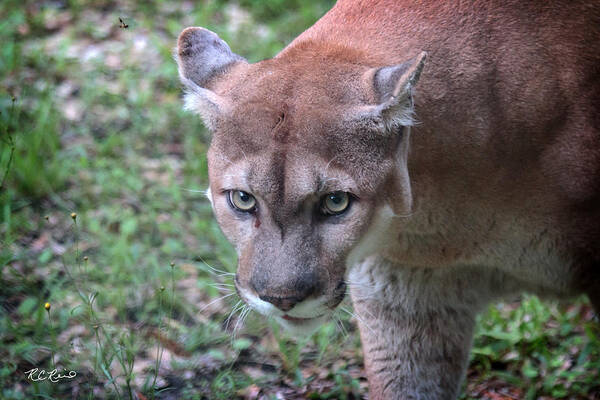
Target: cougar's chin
{"x": 301, "y": 321}
{"x": 302, "y": 327}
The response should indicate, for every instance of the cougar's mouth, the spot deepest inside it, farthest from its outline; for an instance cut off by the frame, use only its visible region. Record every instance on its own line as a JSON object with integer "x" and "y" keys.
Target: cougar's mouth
{"x": 303, "y": 322}
{"x": 302, "y": 327}
{"x": 298, "y": 319}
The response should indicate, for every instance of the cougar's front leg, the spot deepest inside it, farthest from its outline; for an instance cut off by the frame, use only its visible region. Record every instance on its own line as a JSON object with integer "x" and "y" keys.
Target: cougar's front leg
{"x": 416, "y": 327}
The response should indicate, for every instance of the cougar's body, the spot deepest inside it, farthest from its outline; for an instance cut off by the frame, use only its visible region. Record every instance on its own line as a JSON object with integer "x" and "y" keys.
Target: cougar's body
{"x": 465, "y": 137}
{"x": 505, "y": 159}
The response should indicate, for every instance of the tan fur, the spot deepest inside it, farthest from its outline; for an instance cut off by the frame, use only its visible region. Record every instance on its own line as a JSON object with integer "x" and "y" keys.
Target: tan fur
{"x": 494, "y": 191}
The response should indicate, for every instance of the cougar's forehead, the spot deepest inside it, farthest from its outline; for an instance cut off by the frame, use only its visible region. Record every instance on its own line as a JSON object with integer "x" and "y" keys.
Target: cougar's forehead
{"x": 287, "y": 126}
{"x": 305, "y": 84}
{"x": 276, "y": 99}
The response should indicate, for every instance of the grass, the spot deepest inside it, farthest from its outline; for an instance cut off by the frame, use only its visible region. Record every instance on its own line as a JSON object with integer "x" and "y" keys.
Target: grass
{"x": 96, "y": 128}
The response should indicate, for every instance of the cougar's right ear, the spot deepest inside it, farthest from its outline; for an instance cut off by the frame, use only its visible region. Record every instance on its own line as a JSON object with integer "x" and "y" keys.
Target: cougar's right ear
{"x": 202, "y": 56}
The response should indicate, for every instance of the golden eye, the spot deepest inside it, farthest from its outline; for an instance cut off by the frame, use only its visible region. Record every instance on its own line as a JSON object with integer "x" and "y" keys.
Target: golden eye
{"x": 242, "y": 201}
{"x": 335, "y": 203}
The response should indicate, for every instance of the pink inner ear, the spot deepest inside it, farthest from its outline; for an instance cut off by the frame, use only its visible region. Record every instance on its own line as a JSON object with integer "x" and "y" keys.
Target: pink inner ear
{"x": 392, "y": 87}
{"x": 396, "y": 81}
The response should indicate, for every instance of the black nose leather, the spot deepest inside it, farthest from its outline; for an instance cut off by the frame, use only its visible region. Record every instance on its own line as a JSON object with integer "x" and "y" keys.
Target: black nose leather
{"x": 286, "y": 293}
{"x": 283, "y": 303}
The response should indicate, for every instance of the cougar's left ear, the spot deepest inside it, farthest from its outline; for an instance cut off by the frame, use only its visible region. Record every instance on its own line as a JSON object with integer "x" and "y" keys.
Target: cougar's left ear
{"x": 393, "y": 86}
{"x": 203, "y": 57}
{"x": 394, "y": 112}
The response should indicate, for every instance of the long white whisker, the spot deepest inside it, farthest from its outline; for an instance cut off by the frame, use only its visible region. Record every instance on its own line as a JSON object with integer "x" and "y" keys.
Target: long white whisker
{"x": 238, "y": 306}
{"x": 355, "y": 296}
{"x": 234, "y": 331}
{"x": 215, "y": 300}
{"x": 233, "y": 310}
{"x": 247, "y": 314}
{"x": 339, "y": 323}
{"x": 216, "y": 271}
{"x": 224, "y": 290}
{"x": 222, "y": 286}
{"x": 362, "y": 290}
{"x": 370, "y": 296}
{"x": 241, "y": 320}
{"x": 362, "y": 321}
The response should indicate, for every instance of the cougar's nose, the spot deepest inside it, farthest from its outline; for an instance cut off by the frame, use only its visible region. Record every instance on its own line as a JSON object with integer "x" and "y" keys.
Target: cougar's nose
{"x": 285, "y": 295}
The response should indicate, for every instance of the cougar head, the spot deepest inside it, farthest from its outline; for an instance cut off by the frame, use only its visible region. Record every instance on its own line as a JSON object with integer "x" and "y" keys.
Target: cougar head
{"x": 306, "y": 150}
